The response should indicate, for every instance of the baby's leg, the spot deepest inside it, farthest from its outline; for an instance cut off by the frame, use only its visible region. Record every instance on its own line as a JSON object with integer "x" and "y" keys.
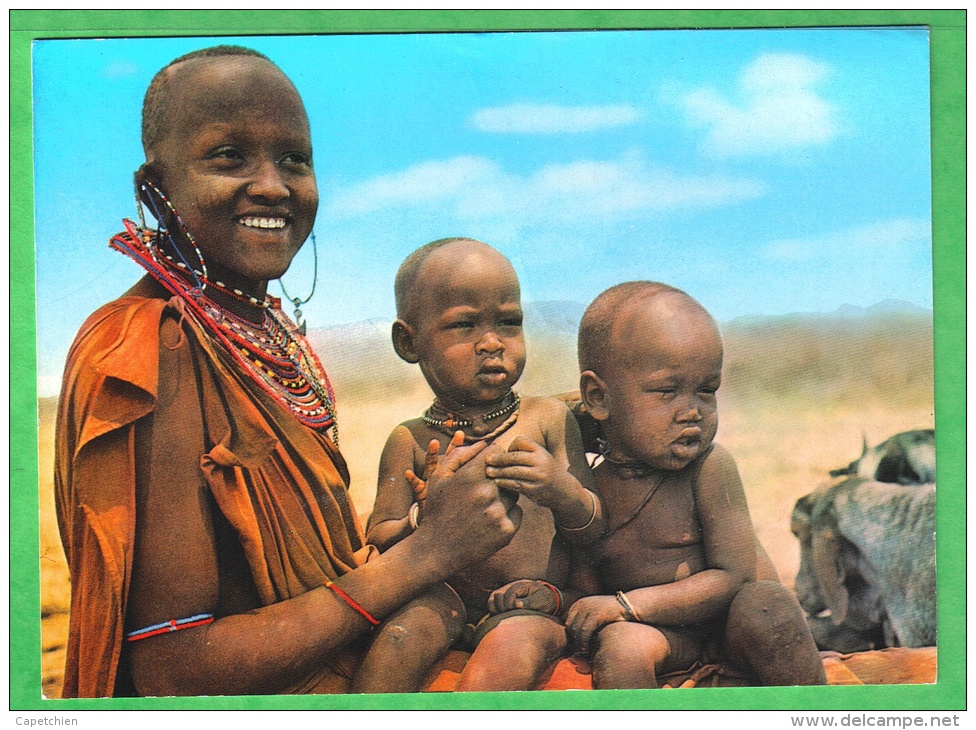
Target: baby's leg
{"x": 514, "y": 655}
{"x": 631, "y": 655}
{"x": 410, "y": 641}
{"x": 768, "y": 633}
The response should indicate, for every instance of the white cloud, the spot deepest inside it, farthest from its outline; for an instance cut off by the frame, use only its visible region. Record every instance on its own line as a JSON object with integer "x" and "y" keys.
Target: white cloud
{"x": 552, "y": 119}
{"x": 478, "y": 188}
{"x": 882, "y": 238}
{"x": 777, "y": 108}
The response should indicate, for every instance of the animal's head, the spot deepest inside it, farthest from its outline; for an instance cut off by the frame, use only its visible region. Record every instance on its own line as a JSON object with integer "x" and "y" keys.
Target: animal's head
{"x": 832, "y": 575}
{"x": 905, "y": 458}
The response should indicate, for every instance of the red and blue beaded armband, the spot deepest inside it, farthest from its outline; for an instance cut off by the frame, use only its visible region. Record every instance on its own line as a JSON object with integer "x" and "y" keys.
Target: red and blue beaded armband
{"x": 174, "y": 624}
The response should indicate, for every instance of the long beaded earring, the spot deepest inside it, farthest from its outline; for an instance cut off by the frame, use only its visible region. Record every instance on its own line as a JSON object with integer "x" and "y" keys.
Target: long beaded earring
{"x": 296, "y": 302}
{"x": 199, "y": 276}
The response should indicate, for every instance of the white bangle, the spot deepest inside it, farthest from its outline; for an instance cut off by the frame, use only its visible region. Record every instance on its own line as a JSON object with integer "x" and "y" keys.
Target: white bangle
{"x": 413, "y": 516}
{"x": 592, "y": 516}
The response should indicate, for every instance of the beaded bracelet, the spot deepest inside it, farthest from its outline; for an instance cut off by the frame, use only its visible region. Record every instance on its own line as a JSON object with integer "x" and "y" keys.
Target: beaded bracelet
{"x": 352, "y": 603}
{"x": 592, "y": 516}
{"x": 557, "y": 593}
{"x": 628, "y": 607}
{"x": 174, "y": 624}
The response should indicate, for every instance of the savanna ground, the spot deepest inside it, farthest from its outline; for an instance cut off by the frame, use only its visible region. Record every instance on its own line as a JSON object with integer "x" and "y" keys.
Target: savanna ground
{"x": 798, "y": 394}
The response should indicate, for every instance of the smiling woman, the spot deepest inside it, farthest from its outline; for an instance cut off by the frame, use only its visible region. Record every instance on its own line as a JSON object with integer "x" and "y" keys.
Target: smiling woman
{"x": 201, "y": 496}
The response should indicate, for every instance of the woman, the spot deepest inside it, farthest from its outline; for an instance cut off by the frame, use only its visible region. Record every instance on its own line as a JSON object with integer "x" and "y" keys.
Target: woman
{"x": 201, "y": 494}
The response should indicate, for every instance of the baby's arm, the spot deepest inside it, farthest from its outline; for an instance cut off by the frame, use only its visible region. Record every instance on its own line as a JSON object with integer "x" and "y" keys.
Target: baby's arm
{"x": 730, "y": 557}
{"x": 389, "y": 522}
{"x": 555, "y": 476}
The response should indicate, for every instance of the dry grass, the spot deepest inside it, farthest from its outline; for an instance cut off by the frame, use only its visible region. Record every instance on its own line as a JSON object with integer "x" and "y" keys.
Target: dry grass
{"x": 796, "y": 400}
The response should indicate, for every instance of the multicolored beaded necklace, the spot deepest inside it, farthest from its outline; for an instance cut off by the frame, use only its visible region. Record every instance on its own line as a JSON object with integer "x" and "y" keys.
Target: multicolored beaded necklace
{"x": 447, "y": 421}
{"x": 274, "y": 353}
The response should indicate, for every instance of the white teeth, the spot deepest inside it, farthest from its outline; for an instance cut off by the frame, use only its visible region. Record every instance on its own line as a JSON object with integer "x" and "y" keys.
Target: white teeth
{"x": 263, "y": 222}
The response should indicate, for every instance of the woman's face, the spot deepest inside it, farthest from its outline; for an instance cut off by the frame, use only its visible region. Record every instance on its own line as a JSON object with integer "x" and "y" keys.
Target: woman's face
{"x": 235, "y": 160}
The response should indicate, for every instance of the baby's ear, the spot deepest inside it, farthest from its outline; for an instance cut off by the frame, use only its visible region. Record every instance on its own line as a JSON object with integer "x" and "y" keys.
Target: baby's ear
{"x": 594, "y": 394}
{"x": 403, "y": 341}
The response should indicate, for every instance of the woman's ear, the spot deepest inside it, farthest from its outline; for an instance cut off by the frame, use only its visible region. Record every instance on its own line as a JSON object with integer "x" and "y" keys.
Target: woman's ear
{"x": 593, "y": 391}
{"x": 146, "y": 173}
{"x": 403, "y": 343}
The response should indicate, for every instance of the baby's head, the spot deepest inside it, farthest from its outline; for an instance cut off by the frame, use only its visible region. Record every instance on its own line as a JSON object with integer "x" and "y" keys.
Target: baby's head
{"x": 227, "y": 142}
{"x": 651, "y": 363}
{"x": 459, "y": 315}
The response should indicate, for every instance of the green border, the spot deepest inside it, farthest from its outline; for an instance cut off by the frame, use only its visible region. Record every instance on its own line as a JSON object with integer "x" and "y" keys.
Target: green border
{"x": 948, "y": 67}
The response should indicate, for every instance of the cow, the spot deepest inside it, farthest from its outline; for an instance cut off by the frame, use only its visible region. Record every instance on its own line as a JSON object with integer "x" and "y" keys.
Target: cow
{"x": 867, "y": 559}
{"x": 905, "y": 458}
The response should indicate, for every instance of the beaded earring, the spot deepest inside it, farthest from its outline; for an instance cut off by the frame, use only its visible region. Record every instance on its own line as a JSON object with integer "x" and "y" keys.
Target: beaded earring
{"x": 296, "y": 302}
{"x": 156, "y": 208}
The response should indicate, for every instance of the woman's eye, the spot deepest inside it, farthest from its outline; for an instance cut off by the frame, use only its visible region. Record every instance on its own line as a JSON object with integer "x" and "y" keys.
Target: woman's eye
{"x": 226, "y": 153}
{"x": 463, "y": 325}
{"x": 297, "y": 158}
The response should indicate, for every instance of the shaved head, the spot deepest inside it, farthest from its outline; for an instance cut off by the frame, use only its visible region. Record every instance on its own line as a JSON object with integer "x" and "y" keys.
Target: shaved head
{"x": 406, "y": 288}
{"x": 156, "y": 101}
{"x": 598, "y": 343}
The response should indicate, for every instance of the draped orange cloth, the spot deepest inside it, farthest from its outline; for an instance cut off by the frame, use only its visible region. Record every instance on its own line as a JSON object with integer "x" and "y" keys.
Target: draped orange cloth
{"x": 281, "y": 485}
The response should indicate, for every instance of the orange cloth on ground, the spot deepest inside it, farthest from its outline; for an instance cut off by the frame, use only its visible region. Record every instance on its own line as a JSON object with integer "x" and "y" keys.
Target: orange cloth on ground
{"x": 281, "y": 485}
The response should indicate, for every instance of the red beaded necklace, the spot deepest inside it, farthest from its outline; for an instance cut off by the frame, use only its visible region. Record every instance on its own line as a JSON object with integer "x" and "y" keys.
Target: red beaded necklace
{"x": 273, "y": 353}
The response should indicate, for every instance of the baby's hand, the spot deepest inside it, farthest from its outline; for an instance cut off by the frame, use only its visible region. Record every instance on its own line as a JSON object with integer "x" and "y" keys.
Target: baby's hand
{"x": 587, "y": 616}
{"x": 432, "y": 460}
{"x": 537, "y": 595}
{"x": 526, "y": 468}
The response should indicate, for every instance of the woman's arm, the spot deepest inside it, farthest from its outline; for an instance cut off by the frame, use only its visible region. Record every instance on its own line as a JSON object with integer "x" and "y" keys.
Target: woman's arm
{"x": 177, "y": 572}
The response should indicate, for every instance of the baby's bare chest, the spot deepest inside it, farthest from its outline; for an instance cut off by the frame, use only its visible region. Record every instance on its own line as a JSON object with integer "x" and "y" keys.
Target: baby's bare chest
{"x": 654, "y": 536}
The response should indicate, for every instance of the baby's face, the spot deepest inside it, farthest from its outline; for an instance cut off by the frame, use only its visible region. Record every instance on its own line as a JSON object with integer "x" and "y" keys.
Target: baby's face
{"x": 236, "y": 162}
{"x": 468, "y": 325}
{"x": 661, "y": 384}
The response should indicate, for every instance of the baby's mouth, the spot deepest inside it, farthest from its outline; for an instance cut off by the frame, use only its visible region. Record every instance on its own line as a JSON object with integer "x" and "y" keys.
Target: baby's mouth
{"x": 261, "y": 222}
{"x": 492, "y": 374}
{"x": 688, "y": 443}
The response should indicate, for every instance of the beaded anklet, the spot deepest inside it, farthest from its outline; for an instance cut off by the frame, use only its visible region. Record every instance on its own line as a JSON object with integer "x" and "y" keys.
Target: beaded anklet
{"x": 352, "y": 603}
{"x": 175, "y": 624}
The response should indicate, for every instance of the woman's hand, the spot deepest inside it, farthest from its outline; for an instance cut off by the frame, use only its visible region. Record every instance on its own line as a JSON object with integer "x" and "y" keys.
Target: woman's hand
{"x": 465, "y": 520}
{"x": 587, "y": 616}
{"x": 536, "y": 595}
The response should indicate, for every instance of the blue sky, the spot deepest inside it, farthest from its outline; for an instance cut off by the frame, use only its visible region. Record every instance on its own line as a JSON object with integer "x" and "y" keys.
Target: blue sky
{"x": 763, "y": 171}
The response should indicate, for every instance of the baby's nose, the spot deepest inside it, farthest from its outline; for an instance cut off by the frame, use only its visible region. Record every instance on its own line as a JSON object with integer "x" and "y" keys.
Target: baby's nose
{"x": 490, "y": 342}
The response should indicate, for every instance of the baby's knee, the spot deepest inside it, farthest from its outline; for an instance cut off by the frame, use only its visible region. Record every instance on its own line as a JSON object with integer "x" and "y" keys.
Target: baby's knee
{"x": 761, "y": 607}
{"x": 626, "y": 643}
{"x": 524, "y": 631}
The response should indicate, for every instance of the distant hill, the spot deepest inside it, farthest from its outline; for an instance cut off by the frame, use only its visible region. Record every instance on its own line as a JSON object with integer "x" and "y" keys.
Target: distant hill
{"x": 843, "y": 355}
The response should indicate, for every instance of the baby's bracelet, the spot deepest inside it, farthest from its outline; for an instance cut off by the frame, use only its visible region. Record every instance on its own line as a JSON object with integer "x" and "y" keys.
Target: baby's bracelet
{"x": 628, "y": 608}
{"x": 413, "y": 516}
{"x": 557, "y": 593}
{"x": 592, "y": 515}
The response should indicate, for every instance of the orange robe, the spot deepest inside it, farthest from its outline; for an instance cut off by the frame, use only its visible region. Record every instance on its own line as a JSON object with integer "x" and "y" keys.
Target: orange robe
{"x": 281, "y": 485}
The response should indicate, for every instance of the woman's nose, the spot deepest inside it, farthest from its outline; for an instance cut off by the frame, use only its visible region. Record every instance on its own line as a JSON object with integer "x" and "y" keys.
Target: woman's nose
{"x": 268, "y": 184}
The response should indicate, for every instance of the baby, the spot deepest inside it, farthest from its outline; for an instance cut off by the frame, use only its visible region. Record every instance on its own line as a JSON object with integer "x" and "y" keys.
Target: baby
{"x": 460, "y": 318}
{"x": 674, "y": 577}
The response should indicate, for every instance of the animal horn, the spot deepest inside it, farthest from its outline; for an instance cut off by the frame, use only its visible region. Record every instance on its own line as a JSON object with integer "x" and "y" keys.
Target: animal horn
{"x": 864, "y": 443}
